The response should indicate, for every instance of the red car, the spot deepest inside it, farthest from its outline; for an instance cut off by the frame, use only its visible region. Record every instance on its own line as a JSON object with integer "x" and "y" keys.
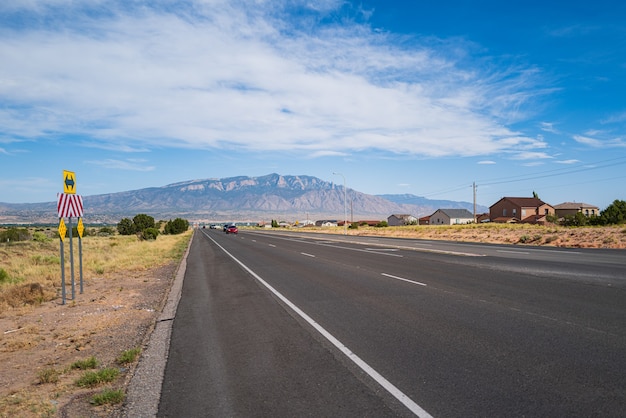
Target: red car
{"x": 231, "y": 229}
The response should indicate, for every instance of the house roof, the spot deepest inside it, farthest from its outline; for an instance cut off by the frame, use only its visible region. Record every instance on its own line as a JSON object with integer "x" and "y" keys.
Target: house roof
{"x": 456, "y": 213}
{"x": 523, "y": 202}
{"x": 575, "y": 205}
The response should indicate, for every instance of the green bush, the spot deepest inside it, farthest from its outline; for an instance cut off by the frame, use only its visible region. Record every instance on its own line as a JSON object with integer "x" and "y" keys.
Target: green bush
{"x": 108, "y": 396}
{"x": 129, "y": 356}
{"x": 382, "y": 224}
{"x": 14, "y": 234}
{"x": 177, "y": 226}
{"x": 91, "y": 379}
{"x": 4, "y": 276}
{"x": 126, "y": 227}
{"x": 150, "y": 234}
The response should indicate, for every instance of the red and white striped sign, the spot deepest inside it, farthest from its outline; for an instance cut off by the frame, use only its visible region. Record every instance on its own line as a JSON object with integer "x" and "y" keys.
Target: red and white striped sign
{"x": 69, "y": 205}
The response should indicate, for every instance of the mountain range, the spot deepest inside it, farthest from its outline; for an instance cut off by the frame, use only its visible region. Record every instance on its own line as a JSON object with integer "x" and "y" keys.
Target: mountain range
{"x": 242, "y": 198}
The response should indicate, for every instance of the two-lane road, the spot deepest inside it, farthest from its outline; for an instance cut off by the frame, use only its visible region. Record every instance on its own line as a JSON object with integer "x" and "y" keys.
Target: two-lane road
{"x": 290, "y": 325}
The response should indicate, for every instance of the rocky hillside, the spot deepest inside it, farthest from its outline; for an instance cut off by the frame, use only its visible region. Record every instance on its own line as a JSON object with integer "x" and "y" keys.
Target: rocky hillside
{"x": 236, "y": 198}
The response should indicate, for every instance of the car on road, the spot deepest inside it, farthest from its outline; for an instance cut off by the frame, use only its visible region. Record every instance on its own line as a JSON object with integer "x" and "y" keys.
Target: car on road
{"x": 232, "y": 229}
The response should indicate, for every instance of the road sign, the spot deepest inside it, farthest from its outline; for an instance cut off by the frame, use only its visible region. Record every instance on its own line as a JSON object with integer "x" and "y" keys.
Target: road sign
{"x": 62, "y": 229}
{"x": 80, "y": 227}
{"x": 69, "y": 182}
{"x": 69, "y": 205}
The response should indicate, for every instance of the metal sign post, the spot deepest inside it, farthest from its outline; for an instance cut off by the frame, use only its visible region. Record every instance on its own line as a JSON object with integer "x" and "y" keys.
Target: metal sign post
{"x": 80, "y": 228}
{"x": 72, "y": 260}
{"x": 62, "y": 231}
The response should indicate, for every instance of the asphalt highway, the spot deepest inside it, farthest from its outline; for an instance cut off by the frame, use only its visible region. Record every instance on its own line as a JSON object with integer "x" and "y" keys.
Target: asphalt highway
{"x": 273, "y": 324}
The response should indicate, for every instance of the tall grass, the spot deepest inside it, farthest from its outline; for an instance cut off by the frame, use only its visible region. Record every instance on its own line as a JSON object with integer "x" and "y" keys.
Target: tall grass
{"x": 23, "y": 264}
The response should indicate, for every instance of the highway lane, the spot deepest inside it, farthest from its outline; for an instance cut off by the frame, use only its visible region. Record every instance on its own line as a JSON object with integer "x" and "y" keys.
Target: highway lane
{"x": 487, "y": 331}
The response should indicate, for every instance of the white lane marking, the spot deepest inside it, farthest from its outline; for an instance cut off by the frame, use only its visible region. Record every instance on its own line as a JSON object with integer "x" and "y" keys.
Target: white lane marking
{"x": 382, "y": 249}
{"x": 272, "y": 245}
{"x": 403, "y": 279}
{"x": 387, "y": 385}
{"x": 308, "y": 255}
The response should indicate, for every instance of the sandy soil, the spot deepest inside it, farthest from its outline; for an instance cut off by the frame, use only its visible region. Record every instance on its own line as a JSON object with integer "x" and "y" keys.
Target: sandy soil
{"x": 114, "y": 314}
{"x": 118, "y": 313}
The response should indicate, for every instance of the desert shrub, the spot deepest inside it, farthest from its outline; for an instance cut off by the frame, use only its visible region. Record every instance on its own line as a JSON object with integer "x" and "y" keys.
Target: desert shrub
{"x": 126, "y": 227}
{"x": 4, "y": 276}
{"x": 524, "y": 239}
{"x": 26, "y": 294}
{"x": 177, "y": 226}
{"x": 150, "y": 234}
{"x": 106, "y": 231}
{"x": 382, "y": 224}
{"x": 129, "y": 356}
{"x": 14, "y": 234}
{"x": 91, "y": 379}
{"x": 49, "y": 375}
{"x": 41, "y": 237}
{"x": 90, "y": 363}
{"x": 353, "y": 225}
{"x": 108, "y": 397}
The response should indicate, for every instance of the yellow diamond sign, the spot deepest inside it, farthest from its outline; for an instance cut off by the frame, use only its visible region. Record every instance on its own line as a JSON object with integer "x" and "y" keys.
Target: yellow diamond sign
{"x": 62, "y": 229}
{"x": 80, "y": 227}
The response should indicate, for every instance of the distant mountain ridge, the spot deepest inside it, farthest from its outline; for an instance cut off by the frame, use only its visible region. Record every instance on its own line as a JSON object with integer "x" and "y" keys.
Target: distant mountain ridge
{"x": 272, "y": 196}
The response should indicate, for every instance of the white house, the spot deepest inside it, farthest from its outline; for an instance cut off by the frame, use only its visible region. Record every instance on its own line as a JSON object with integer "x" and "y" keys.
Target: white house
{"x": 451, "y": 217}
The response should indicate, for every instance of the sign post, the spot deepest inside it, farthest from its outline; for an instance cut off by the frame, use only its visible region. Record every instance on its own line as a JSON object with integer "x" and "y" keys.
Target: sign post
{"x": 81, "y": 229}
{"x": 62, "y": 231}
{"x": 70, "y": 205}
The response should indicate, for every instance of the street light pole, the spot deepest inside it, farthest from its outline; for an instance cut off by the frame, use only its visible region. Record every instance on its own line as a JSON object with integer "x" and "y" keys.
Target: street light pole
{"x": 345, "y": 208}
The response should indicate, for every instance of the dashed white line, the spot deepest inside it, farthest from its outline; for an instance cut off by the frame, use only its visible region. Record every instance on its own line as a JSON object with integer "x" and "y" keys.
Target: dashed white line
{"x": 403, "y": 279}
{"x": 308, "y": 255}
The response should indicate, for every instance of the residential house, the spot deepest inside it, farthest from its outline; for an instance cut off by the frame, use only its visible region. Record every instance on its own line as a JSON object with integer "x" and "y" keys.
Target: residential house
{"x": 451, "y": 217}
{"x": 399, "y": 220}
{"x": 326, "y": 222}
{"x": 424, "y": 220}
{"x": 520, "y": 209}
{"x": 572, "y": 208}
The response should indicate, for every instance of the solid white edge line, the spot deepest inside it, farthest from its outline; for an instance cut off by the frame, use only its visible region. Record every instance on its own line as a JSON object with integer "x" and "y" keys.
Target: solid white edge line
{"x": 388, "y": 386}
{"x": 403, "y": 279}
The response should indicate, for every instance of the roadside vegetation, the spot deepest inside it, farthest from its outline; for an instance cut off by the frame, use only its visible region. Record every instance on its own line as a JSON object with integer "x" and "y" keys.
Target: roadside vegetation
{"x": 30, "y": 259}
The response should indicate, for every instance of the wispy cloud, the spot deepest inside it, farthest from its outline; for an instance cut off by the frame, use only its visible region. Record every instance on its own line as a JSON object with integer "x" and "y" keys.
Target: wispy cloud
{"x": 487, "y": 162}
{"x": 567, "y": 162}
{"x": 130, "y": 164}
{"x": 600, "y": 143}
{"x": 224, "y": 75}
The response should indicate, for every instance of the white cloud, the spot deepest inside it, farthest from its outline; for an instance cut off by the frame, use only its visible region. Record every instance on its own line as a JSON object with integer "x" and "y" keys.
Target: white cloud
{"x": 486, "y": 162}
{"x": 567, "y": 161}
{"x": 600, "y": 143}
{"x": 129, "y": 164}
{"x": 229, "y": 76}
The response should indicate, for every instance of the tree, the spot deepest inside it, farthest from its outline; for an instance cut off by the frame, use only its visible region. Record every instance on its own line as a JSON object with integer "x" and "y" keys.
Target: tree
{"x": 615, "y": 213}
{"x": 177, "y": 226}
{"x": 143, "y": 221}
{"x": 535, "y": 195}
{"x": 126, "y": 227}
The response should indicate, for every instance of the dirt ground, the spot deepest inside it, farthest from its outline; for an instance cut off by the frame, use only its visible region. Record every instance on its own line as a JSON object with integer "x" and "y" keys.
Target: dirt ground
{"x": 114, "y": 314}
{"x": 118, "y": 313}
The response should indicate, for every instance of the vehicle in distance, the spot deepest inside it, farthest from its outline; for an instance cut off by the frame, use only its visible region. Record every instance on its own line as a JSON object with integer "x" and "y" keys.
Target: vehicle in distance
{"x": 231, "y": 229}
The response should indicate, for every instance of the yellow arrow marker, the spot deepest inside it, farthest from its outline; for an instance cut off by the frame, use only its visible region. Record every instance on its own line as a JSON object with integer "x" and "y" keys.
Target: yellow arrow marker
{"x": 62, "y": 229}
{"x": 69, "y": 182}
{"x": 80, "y": 227}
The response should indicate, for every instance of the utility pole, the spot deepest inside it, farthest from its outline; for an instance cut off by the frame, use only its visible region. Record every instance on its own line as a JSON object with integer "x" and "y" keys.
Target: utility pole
{"x": 474, "y": 189}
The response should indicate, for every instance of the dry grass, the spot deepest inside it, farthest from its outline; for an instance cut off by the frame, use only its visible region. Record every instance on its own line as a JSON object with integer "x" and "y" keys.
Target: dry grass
{"x": 523, "y": 234}
{"x": 32, "y": 270}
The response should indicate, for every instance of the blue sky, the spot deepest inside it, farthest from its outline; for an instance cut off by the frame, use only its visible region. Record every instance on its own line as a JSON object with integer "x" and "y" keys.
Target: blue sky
{"x": 416, "y": 97}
